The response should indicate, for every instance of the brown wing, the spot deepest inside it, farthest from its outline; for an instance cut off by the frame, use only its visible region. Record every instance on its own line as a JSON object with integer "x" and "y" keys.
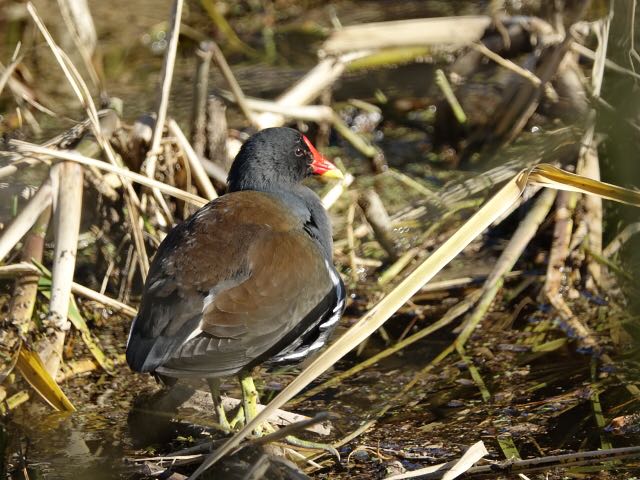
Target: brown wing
{"x": 226, "y": 286}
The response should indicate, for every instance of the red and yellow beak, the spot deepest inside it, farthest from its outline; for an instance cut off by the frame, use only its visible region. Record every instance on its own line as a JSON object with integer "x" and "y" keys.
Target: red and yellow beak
{"x": 320, "y": 165}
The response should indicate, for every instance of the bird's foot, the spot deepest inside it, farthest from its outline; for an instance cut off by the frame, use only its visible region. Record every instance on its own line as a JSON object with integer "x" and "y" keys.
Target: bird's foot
{"x": 238, "y": 420}
{"x": 297, "y": 442}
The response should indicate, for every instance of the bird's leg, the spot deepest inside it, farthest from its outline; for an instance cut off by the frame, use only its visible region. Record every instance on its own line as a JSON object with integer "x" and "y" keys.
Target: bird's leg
{"x": 298, "y": 442}
{"x": 249, "y": 398}
{"x": 214, "y": 386}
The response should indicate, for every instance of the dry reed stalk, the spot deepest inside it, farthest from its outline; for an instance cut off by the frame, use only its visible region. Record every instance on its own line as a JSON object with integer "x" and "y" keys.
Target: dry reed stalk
{"x": 75, "y": 368}
{"x": 14, "y": 401}
{"x": 292, "y": 428}
{"x": 82, "y": 92}
{"x": 280, "y": 417}
{"x": 103, "y": 299}
{"x": 21, "y": 224}
{"x": 316, "y": 113}
{"x": 66, "y": 224}
{"x": 310, "y": 113}
{"x": 25, "y": 269}
{"x": 27, "y": 148}
{"x": 197, "y": 169}
{"x": 23, "y": 93}
{"x": 442, "y": 82}
{"x": 528, "y": 194}
{"x": 591, "y": 55}
{"x": 315, "y": 81}
{"x": 449, "y": 470}
{"x": 7, "y": 72}
{"x": 23, "y": 299}
{"x": 306, "y": 90}
{"x": 461, "y": 282}
{"x": 451, "y": 31}
{"x": 77, "y": 17}
{"x": 18, "y": 269}
{"x": 214, "y": 171}
{"x": 164, "y": 92}
{"x": 588, "y": 162}
{"x": 332, "y": 196}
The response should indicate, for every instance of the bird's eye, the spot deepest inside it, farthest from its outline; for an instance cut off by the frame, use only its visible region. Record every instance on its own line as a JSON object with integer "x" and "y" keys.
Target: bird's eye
{"x": 299, "y": 152}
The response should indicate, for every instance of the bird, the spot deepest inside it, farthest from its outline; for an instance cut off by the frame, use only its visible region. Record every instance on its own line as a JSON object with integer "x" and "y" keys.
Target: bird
{"x": 248, "y": 279}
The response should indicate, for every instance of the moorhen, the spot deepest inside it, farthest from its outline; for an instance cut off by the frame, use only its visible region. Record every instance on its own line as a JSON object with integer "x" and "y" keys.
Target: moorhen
{"x": 248, "y": 278}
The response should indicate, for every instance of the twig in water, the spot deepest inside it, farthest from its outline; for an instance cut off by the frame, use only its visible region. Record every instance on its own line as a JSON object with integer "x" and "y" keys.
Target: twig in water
{"x": 621, "y": 239}
{"x": 224, "y": 27}
{"x": 200, "y": 93}
{"x": 559, "y": 251}
{"x": 377, "y": 217}
{"x": 456, "y": 108}
{"x": 449, "y": 470}
{"x": 547, "y": 463}
{"x": 222, "y": 64}
{"x": 217, "y": 135}
{"x": 351, "y": 241}
{"x": 508, "y": 64}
